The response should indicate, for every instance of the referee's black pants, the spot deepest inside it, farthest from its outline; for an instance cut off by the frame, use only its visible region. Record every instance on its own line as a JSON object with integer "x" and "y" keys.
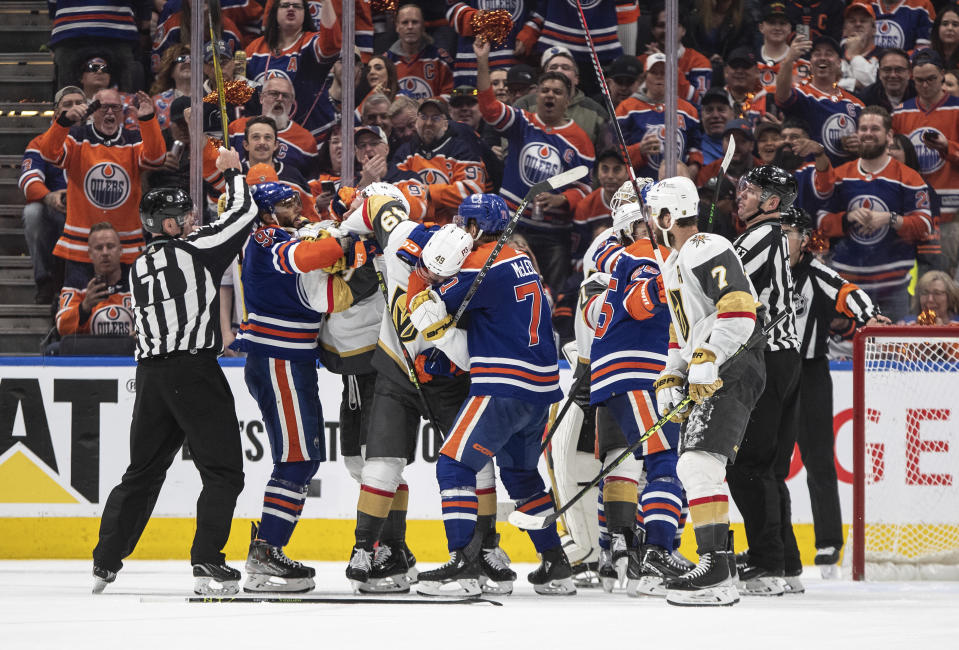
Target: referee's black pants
{"x": 757, "y": 479}
{"x": 179, "y": 396}
{"x": 817, "y": 446}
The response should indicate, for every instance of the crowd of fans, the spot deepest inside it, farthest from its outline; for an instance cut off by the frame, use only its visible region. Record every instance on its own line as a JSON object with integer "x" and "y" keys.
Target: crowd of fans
{"x": 860, "y": 100}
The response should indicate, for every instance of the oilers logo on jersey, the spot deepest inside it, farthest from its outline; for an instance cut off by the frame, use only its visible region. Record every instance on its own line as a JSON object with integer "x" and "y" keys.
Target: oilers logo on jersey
{"x": 415, "y": 87}
{"x": 432, "y": 176}
{"x": 112, "y": 320}
{"x": 929, "y": 159}
{"x": 537, "y": 162}
{"x": 106, "y": 185}
{"x": 889, "y": 34}
{"x": 271, "y": 73}
{"x": 834, "y": 129}
{"x": 659, "y": 130}
{"x": 514, "y": 7}
{"x": 856, "y": 231}
{"x": 587, "y": 4}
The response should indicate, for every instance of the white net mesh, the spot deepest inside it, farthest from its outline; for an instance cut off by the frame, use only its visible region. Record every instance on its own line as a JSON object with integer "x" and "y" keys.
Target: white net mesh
{"x": 911, "y": 456}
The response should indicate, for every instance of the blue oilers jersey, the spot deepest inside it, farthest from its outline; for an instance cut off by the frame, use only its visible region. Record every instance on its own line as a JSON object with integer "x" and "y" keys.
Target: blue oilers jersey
{"x": 509, "y": 333}
{"x": 459, "y": 15}
{"x": 830, "y": 116}
{"x": 908, "y": 26}
{"x": 637, "y": 118}
{"x": 631, "y": 336}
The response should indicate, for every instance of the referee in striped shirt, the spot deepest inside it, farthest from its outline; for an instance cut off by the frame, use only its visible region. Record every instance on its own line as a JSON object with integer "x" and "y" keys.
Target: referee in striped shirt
{"x": 757, "y": 480}
{"x": 181, "y": 390}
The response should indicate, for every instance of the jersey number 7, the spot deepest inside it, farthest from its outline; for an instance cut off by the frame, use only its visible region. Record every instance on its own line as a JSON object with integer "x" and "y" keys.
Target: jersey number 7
{"x": 531, "y": 290}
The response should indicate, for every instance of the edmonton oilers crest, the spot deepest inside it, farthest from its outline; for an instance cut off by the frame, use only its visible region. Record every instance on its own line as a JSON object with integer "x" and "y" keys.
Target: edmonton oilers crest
{"x": 432, "y": 175}
{"x": 929, "y": 159}
{"x": 414, "y": 87}
{"x": 537, "y": 162}
{"x": 514, "y": 7}
{"x": 587, "y": 4}
{"x": 106, "y": 185}
{"x": 836, "y": 127}
{"x": 889, "y": 34}
{"x": 856, "y": 231}
{"x": 112, "y": 320}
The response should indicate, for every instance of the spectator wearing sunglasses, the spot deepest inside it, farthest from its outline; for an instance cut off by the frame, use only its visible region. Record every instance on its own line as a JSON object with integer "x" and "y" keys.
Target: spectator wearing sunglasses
{"x": 172, "y": 81}
{"x": 96, "y": 74}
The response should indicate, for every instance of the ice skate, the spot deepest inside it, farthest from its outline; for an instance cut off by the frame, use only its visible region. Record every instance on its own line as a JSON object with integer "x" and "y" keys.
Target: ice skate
{"x": 495, "y": 576}
{"x": 389, "y": 572}
{"x": 215, "y": 579}
{"x": 756, "y": 581}
{"x": 827, "y": 559}
{"x": 586, "y": 575}
{"x": 269, "y": 569}
{"x": 657, "y": 566}
{"x": 458, "y": 577}
{"x": 412, "y": 572}
{"x": 101, "y": 578}
{"x": 360, "y": 566}
{"x": 606, "y": 571}
{"x": 681, "y": 560}
{"x": 554, "y": 575}
{"x": 708, "y": 585}
{"x": 620, "y": 556}
{"x": 792, "y": 583}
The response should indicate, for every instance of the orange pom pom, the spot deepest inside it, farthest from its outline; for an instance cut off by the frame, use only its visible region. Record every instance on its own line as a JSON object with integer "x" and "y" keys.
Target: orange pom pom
{"x": 236, "y": 92}
{"x": 818, "y": 242}
{"x": 493, "y": 25}
{"x": 927, "y": 317}
{"x": 383, "y": 6}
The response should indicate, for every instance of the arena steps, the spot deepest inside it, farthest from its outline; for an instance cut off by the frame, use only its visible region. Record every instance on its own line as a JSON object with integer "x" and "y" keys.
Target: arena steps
{"x": 25, "y": 76}
{"x": 24, "y": 26}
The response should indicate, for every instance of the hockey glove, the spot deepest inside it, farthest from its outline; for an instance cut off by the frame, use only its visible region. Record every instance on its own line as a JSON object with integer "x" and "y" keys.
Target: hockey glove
{"x": 428, "y": 315}
{"x": 669, "y": 393}
{"x": 703, "y": 375}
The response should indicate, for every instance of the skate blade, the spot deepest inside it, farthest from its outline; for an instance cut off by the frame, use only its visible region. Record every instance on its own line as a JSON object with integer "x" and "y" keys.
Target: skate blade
{"x": 723, "y": 596}
{"x": 588, "y": 580}
{"x": 464, "y": 587}
{"x": 830, "y": 571}
{"x": 256, "y": 583}
{"x": 207, "y": 586}
{"x": 793, "y": 586}
{"x": 399, "y": 584}
{"x": 765, "y": 586}
{"x": 646, "y": 586}
{"x": 413, "y": 575}
{"x": 493, "y": 588}
{"x": 563, "y": 587}
{"x": 99, "y": 585}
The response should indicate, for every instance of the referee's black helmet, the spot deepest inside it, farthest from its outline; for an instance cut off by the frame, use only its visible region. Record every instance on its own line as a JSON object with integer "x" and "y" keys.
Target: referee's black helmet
{"x": 164, "y": 203}
{"x": 773, "y": 181}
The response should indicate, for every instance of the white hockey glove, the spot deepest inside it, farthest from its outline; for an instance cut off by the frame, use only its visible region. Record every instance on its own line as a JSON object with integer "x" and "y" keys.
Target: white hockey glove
{"x": 703, "y": 375}
{"x": 669, "y": 393}
{"x": 428, "y": 315}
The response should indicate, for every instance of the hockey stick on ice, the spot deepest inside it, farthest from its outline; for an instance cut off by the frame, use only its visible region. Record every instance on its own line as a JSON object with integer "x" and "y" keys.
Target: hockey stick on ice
{"x": 532, "y": 522}
{"x": 323, "y": 600}
{"x": 728, "y": 158}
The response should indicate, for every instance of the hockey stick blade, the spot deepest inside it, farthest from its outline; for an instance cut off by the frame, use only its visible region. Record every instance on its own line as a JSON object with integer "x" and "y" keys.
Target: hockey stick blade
{"x": 531, "y": 522}
{"x": 728, "y": 158}
{"x": 565, "y": 178}
{"x": 324, "y": 600}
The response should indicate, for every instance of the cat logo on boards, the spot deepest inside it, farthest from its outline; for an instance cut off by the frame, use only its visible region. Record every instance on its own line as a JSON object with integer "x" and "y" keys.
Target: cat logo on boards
{"x": 106, "y": 185}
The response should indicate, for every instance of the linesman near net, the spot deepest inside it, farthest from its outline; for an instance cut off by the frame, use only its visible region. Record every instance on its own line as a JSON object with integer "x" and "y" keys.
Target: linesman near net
{"x": 181, "y": 390}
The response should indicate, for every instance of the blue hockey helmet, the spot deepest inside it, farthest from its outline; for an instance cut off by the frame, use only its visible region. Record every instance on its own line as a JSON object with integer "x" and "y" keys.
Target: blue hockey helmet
{"x": 267, "y": 195}
{"x": 489, "y": 211}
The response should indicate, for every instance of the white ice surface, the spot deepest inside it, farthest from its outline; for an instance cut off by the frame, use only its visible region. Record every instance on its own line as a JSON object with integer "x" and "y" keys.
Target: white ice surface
{"x": 48, "y": 604}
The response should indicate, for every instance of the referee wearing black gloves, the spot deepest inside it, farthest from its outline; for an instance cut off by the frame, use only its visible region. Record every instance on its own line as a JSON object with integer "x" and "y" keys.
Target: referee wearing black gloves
{"x": 181, "y": 390}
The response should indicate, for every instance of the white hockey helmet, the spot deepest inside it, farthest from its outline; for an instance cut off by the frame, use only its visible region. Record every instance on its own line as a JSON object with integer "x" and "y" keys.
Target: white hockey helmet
{"x": 677, "y": 195}
{"x": 386, "y": 189}
{"x": 444, "y": 254}
{"x": 626, "y": 193}
{"x": 624, "y": 218}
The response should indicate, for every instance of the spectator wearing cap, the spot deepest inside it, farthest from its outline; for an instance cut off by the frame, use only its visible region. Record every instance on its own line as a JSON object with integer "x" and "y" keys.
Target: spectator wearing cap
{"x": 372, "y": 151}
{"x": 878, "y": 211}
{"x": 906, "y": 25}
{"x": 464, "y": 109}
{"x": 520, "y": 80}
{"x": 743, "y": 159}
{"x": 173, "y": 26}
{"x": 830, "y": 111}
{"x": 422, "y": 69}
{"x": 623, "y": 79}
{"x": 743, "y": 85}
{"x": 588, "y": 115}
{"x": 262, "y": 144}
{"x": 114, "y": 25}
{"x": 945, "y": 35}
{"x": 717, "y": 28}
{"x": 172, "y": 80}
{"x": 642, "y": 122}
{"x": 931, "y": 122}
{"x": 724, "y": 222}
{"x": 894, "y": 83}
{"x": 776, "y": 30}
{"x": 508, "y": 54}
{"x": 541, "y": 144}
{"x": 224, "y": 55}
{"x": 552, "y": 23}
{"x": 860, "y": 60}
{"x": 447, "y": 159}
{"x": 44, "y": 188}
{"x": 695, "y": 70}
{"x": 594, "y": 212}
{"x": 296, "y": 146}
{"x": 716, "y": 111}
{"x": 768, "y": 139}
{"x": 813, "y": 18}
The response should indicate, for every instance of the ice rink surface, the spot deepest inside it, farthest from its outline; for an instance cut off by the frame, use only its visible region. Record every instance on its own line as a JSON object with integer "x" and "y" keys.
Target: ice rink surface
{"x": 48, "y": 604}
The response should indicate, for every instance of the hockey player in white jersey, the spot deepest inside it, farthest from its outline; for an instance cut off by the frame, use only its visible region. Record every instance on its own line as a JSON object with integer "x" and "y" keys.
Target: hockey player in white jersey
{"x": 713, "y": 307}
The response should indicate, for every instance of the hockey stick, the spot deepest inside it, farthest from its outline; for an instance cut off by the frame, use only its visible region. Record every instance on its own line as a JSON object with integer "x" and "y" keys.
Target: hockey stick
{"x": 621, "y": 141}
{"x": 728, "y": 158}
{"x": 562, "y": 413}
{"x": 325, "y": 600}
{"x": 410, "y": 365}
{"x": 218, "y": 74}
{"x": 532, "y": 522}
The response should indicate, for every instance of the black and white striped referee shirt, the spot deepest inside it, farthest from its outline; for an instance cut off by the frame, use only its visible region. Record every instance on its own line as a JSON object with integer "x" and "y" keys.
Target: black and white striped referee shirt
{"x": 765, "y": 256}
{"x": 821, "y": 295}
{"x": 175, "y": 282}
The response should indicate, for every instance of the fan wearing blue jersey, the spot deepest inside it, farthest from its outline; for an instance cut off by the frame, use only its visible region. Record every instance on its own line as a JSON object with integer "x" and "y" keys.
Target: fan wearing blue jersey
{"x": 514, "y": 377}
{"x": 630, "y": 323}
{"x": 289, "y": 284}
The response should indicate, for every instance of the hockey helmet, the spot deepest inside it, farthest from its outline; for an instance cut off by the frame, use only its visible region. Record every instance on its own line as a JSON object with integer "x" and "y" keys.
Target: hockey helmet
{"x": 268, "y": 195}
{"x": 797, "y": 218}
{"x": 381, "y": 188}
{"x": 772, "y": 181}
{"x": 164, "y": 203}
{"x": 444, "y": 254}
{"x": 624, "y": 216}
{"x": 627, "y": 193}
{"x": 489, "y": 211}
{"x": 677, "y": 195}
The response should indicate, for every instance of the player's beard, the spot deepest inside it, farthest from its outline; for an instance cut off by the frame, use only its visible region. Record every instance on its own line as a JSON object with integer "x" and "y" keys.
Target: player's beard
{"x": 871, "y": 151}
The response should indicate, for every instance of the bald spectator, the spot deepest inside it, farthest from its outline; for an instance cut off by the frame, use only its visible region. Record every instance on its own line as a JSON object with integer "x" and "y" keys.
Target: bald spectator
{"x": 422, "y": 69}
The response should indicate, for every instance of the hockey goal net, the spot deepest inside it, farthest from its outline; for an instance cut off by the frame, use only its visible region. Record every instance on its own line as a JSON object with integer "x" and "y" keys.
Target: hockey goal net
{"x": 906, "y": 453}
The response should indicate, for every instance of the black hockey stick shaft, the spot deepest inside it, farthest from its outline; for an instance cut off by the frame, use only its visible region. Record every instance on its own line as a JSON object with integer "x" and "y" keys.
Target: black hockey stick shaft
{"x": 562, "y": 412}
{"x": 410, "y": 365}
{"x": 727, "y": 158}
{"x": 621, "y": 141}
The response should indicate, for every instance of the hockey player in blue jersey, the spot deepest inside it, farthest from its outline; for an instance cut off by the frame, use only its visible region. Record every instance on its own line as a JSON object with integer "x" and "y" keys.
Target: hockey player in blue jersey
{"x": 511, "y": 355}
{"x": 631, "y": 336}
{"x": 289, "y": 284}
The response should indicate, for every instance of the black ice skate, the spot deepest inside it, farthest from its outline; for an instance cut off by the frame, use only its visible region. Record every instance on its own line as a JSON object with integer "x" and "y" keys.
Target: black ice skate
{"x": 827, "y": 559}
{"x": 554, "y": 577}
{"x": 756, "y": 581}
{"x": 619, "y": 547}
{"x": 215, "y": 579}
{"x": 709, "y": 584}
{"x": 390, "y": 571}
{"x": 360, "y": 566}
{"x": 101, "y": 578}
{"x": 269, "y": 569}
{"x": 458, "y": 577}
{"x": 586, "y": 575}
{"x": 656, "y": 567}
{"x": 495, "y": 575}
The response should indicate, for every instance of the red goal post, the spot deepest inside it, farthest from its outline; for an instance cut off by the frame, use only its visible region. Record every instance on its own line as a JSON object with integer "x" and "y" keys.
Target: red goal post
{"x": 905, "y": 522}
